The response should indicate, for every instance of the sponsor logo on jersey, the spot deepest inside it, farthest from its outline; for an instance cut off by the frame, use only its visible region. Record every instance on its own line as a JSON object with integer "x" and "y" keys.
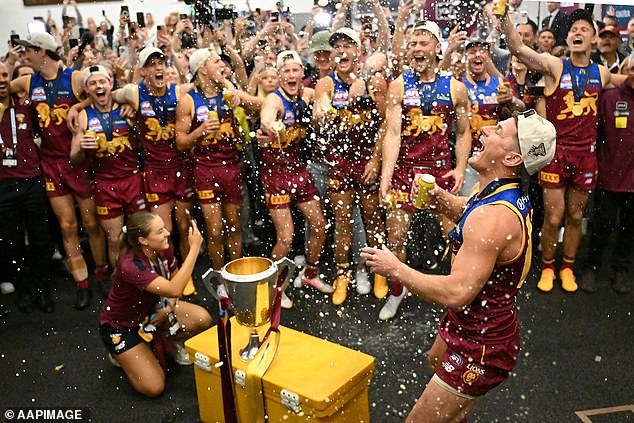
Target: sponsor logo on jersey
{"x": 38, "y": 94}
{"x": 411, "y": 97}
{"x": 94, "y": 124}
{"x": 289, "y": 118}
{"x": 146, "y": 109}
{"x": 456, "y": 359}
{"x": 448, "y": 367}
{"x": 340, "y": 99}
{"x": 202, "y": 112}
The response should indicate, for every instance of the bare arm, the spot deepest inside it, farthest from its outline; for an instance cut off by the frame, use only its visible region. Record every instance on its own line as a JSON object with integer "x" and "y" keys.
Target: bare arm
{"x": 323, "y": 101}
{"x": 392, "y": 139}
{"x": 455, "y": 41}
{"x": 463, "y": 135}
{"x": 174, "y": 287}
{"x": 383, "y": 38}
{"x": 490, "y": 233}
{"x": 398, "y": 40}
{"x": 543, "y": 63}
{"x": 79, "y": 142}
{"x": 341, "y": 16}
{"x": 240, "y": 70}
{"x": 184, "y": 138}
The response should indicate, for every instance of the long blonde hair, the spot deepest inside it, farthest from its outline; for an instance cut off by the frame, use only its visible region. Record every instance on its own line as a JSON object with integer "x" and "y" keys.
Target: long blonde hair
{"x": 138, "y": 225}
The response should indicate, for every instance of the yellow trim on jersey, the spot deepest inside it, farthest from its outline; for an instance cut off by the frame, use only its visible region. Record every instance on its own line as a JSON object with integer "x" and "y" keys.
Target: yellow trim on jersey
{"x": 28, "y": 85}
{"x": 452, "y": 87}
{"x": 473, "y": 81}
{"x": 524, "y": 235}
{"x": 137, "y": 96}
{"x": 73, "y": 77}
{"x": 176, "y": 90}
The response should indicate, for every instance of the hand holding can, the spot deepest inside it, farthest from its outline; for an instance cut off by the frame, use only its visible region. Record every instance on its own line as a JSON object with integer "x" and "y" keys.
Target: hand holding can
{"x": 89, "y": 141}
{"x": 425, "y": 183}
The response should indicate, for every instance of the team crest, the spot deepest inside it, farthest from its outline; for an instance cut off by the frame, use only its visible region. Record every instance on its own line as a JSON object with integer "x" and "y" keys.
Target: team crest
{"x": 115, "y": 338}
{"x": 537, "y": 150}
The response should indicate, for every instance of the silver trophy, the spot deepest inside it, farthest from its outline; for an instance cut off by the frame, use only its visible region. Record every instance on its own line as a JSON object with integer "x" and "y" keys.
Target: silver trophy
{"x": 250, "y": 283}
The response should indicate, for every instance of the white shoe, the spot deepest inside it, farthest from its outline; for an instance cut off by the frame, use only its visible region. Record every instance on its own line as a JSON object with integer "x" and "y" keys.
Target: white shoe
{"x": 6, "y": 288}
{"x": 391, "y": 306}
{"x": 181, "y": 356}
{"x": 287, "y": 303}
{"x": 113, "y": 360}
{"x": 362, "y": 278}
{"x": 297, "y": 283}
{"x": 316, "y": 282}
{"x": 300, "y": 261}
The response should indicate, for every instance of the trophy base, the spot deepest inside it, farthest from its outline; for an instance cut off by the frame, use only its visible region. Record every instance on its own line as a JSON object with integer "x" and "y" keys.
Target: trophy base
{"x": 250, "y": 350}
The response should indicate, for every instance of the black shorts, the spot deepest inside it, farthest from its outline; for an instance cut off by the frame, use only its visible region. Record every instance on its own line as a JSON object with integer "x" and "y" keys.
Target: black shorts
{"x": 119, "y": 339}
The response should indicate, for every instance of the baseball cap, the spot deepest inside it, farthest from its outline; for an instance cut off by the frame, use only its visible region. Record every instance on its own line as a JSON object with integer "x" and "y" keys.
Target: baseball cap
{"x": 609, "y": 29}
{"x": 537, "y": 138}
{"x": 477, "y": 42}
{"x": 320, "y": 42}
{"x": 198, "y": 59}
{"x": 96, "y": 70}
{"x": 429, "y": 26}
{"x": 148, "y": 52}
{"x": 288, "y": 57}
{"x": 344, "y": 32}
{"x": 582, "y": 15}
{"x": 42, "y": 40}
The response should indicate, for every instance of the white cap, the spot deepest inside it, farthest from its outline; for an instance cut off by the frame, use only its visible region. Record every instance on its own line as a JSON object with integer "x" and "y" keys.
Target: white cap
{"x": 344, "y": 32}
{"x": 537, "y": 138}
{"x": 429, "y": 26}
{"x": 147, "y": 52}
{"x": 96, "y": 70}
{"x": 42, "y": 40}
{"x": 198, "y": 59}
{"x": 288, "y": 57}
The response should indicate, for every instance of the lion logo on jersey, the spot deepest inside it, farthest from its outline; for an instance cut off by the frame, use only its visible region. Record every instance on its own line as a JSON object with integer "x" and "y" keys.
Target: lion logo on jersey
{"x": 421, "y": 123}
{"x": 117, "y": 145}
{"x": 588, "y": 103}
{"x": 157, "y": 133}
{"x": 46, "y": 117}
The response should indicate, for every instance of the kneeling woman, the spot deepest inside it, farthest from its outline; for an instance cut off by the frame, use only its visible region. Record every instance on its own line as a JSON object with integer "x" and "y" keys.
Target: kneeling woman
{"x": 146, "y": 285}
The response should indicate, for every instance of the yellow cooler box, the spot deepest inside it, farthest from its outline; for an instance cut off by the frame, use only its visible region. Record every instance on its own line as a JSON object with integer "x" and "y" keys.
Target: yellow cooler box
{"x": 310, "y": 379}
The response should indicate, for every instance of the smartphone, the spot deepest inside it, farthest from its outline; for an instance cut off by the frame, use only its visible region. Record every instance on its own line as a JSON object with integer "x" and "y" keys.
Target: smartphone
{"x": 73, "y": 42}
{"x": 159, "y": 28}
{"x": 275, "y": 16}
{"x": 535, "y": 91}
{"x": 125, "y": 13}
{"x": 183, "y": 16}
{"x": 103, "y": 12}
{"x": 140, "y": 19}
{"x": 14, "y": 39}
{"x": 131, "y": 29}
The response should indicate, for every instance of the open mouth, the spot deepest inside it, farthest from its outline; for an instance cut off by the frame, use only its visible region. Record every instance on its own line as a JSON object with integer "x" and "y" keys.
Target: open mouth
{"x": 577, "y": 42}
{"x": 292, "y": 84}
{"x": 477, "y": 151}
{"x": 478, "y": 62}
{"x": 159, "y": 77}
{"x": 101, "y": 94}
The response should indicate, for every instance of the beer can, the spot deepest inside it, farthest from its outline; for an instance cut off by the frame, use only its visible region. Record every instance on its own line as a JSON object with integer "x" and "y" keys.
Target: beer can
{"x": 426, "y": 183}
{"x": 390, "y": 202}
{"x": 212, "y": 115}
{"x": 500, "y": 8}
{"x": 227, "y": 96}
{"x": 91, "y": 134}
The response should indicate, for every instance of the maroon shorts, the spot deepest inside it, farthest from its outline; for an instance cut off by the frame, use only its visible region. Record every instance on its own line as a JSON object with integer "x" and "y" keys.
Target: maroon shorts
{"x": 474, "y": 369}
{"x": 403, "y": 178}
{"x": 164, "y": 185}
{"x": 218, "y": 183}
{"x": 571, "y": 166}
{"x": 344, "y": 175}
{"x": 281, "y": 187}
{"x": 63, "y": 178}
{"x": 116, "y": 197}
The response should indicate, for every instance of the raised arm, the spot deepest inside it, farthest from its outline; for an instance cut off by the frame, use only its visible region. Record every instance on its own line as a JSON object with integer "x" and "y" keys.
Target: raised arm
{"x": 383, "y": 38}
{"x": 463, "y": 134}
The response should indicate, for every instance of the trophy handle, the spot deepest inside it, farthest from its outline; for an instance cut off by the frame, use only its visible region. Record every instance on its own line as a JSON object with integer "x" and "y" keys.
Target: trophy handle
{"x": 289, "y": 264}
{"x": 207, "y": 278}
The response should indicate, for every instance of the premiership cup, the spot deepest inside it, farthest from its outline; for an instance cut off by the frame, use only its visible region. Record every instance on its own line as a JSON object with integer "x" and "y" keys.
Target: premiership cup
{"x": 250, "y": 284}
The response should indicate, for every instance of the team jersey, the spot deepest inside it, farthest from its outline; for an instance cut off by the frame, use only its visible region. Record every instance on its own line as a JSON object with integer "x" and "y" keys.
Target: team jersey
{"x": 355, "y": 125}
{"x": 23, "y": 162}
{"x": 424, "y": 137}
{"x": 491, "y": 317}
{"x": 483, "y": 96}
{"x": 287, "y": 150}
{"x": 62, "y": 92}
{"x": 114, "y": 158}
{"x": 218, "y": 149}
{"x": 575, "y": 130}
{"x": 156, "y": 119}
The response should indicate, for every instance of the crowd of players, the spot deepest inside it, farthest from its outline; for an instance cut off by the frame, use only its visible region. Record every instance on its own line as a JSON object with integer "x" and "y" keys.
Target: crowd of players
{"x": 228, "y": 112}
